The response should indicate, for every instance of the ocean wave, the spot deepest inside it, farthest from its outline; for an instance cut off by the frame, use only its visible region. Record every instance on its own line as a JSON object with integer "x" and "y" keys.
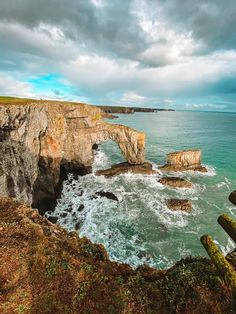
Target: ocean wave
{"x": 140, "y": 228}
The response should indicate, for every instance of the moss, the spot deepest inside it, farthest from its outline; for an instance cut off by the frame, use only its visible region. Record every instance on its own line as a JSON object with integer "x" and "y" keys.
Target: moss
{"x": 97, "y": 117}
{"x": 191, "y": 279}
{"x": 22, "y": 309}
{"x": 54, "y": 264}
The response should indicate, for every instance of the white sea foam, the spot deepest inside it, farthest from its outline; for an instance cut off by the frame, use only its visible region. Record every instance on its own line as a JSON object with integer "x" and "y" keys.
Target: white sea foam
{"x": 140, "y": 228}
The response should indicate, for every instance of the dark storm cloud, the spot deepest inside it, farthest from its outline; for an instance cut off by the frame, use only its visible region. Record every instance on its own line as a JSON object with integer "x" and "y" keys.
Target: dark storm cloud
{"x": 212, "y": 21}
{"x": 137, "y": 50}
{"x": 111, "y": 28}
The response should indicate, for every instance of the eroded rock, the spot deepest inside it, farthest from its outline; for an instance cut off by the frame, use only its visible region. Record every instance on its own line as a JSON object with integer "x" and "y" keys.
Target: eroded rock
{"x": 175, "y": 182}
{"x": 42, "y": 141}
{"x": 179, "y": 205}
{"x": 108, "y": 195}
{"x": 232, "y": 197}
{"x": 144, "y": 168}
{"x": 184, "y": 160}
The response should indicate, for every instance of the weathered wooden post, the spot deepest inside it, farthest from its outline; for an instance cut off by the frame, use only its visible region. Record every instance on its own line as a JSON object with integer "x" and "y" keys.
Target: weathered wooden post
{"x": 224, "y": 267}
{"x": 229, "y": 225}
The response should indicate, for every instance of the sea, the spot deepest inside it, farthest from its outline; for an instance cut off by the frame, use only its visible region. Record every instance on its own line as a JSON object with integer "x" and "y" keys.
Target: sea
{"x": 140, "y": 229}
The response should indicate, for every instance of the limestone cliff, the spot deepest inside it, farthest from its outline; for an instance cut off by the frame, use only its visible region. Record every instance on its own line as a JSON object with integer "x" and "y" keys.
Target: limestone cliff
{"x": 40, "y": 141}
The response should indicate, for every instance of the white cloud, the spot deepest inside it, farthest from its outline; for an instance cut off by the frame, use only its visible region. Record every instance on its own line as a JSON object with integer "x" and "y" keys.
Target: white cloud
{"x": 205, "y": 106}
{"x": 10, "y": 86}
{"x": 131, "y": 98}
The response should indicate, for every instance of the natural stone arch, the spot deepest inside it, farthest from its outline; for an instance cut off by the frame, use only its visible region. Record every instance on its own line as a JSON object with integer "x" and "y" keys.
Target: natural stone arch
{"x": 52, "y": 137}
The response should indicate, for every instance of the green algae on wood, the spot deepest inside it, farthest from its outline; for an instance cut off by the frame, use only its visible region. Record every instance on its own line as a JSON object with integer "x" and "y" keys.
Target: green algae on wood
{"x": 229, "y": 225}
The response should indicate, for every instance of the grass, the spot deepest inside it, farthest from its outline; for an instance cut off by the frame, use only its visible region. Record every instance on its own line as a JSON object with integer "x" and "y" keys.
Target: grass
{"x": 9, "y": 99}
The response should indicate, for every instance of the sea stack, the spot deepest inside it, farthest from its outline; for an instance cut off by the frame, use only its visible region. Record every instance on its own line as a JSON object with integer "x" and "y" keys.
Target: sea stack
{"x": 184, "y": 160}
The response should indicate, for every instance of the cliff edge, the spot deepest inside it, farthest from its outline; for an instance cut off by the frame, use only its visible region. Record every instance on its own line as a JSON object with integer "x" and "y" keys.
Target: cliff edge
{"x": 41, "y": 141}
{"x": 45, "y": 269}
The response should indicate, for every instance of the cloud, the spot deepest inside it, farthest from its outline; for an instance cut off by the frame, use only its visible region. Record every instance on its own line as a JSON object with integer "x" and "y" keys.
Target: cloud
{"x": 105, "y": 26}
{"x": 210, "y": 22}
{"x": 107, "y": 51}
{"x": 11, "y": 86}
{"x": 205, "y": 106}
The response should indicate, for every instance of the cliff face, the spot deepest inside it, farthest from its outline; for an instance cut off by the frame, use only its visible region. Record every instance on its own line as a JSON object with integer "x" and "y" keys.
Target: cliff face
{"x": 45, "y": 269}
{"x": 41, "y": 141}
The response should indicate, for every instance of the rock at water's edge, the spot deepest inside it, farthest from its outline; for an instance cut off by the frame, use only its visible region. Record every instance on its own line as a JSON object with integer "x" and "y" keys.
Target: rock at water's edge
{"x": 108, "y": 195}
{"x": 176, "y": 182}
{"x": 184, "y": 160}
{"x": 145, "y": 169}
{"x": 179, "y": 205}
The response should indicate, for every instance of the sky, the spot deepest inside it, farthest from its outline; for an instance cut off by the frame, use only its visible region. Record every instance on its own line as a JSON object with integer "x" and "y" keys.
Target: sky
{"x": 178, "y": 54}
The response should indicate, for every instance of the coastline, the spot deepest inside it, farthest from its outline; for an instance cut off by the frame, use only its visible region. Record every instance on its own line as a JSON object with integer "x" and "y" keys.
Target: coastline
{"x": 86, "y": 121}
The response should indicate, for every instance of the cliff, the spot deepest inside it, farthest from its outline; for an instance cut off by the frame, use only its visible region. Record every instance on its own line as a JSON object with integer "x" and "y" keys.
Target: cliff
{"x": 41, "y": 141}
{"x": 45, "y": 269}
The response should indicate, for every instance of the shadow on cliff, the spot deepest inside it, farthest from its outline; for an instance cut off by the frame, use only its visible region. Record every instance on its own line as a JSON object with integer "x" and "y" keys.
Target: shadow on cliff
{"x": 31, "y": 179}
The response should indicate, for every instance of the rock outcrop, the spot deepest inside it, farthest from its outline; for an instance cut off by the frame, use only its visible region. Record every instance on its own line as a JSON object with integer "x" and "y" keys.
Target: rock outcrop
{"x": 45, "y": 269}
{"x": 144, "y": 168}
{"x": 184, "y": 160}
{"x": 175, "y": 182}
{"x": 109, "y": 195}
{"x": 232, "y": 197}
{"x": 179, "y": 205}
{"x": 41, "y": 141}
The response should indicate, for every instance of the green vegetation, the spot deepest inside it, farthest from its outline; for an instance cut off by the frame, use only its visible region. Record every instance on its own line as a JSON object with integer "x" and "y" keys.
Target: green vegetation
{"x": 58, "y": 272}
{"x": 8, "y": 99}
{"x": 54, "y": 264}
{"x": 22, "y": 309}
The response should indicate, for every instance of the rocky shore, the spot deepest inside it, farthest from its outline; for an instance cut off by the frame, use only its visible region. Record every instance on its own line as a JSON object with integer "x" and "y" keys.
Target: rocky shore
{"x": 45, "y": 269}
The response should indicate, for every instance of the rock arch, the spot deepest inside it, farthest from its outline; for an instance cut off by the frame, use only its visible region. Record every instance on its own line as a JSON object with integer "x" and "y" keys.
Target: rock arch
{"x": 48, "y": 137}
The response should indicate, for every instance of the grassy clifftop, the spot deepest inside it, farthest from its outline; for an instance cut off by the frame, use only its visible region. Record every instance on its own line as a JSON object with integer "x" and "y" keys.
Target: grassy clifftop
{"x": 45, "y": 269}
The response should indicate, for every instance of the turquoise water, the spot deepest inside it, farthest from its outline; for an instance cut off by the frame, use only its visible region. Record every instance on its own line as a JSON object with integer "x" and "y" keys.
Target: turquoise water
{"x": 140, "y": 228}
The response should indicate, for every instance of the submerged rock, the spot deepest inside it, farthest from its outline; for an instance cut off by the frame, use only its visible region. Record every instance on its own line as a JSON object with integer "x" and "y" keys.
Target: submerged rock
{"x": 232, "y": 197}
{"x": 177, "y": 204}
{"x": 176, "y": 182}
{"x": 108, "y": 195}
{"x": 81, "y": 207}
{"x": 144, "y": 168}
{"x": 184, "y": 160}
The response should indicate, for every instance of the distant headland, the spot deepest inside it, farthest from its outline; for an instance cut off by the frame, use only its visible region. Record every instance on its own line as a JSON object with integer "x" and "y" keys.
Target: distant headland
{"x": 127, "y": 110}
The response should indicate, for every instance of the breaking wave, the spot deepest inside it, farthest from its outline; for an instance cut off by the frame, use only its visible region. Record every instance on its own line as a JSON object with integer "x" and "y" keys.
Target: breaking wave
{"x": 139, "y": 228}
